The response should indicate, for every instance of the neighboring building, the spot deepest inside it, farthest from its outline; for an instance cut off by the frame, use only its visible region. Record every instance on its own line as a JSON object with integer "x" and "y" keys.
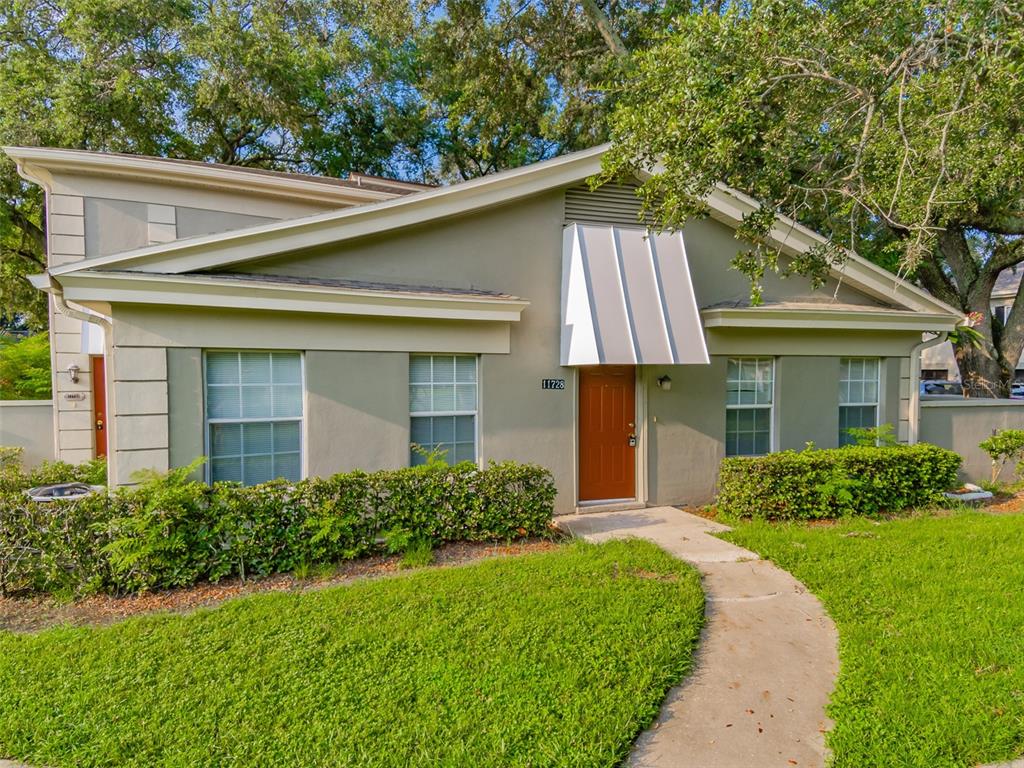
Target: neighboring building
{"x": 939, "y": 363}
{"x": 286, "y": 325}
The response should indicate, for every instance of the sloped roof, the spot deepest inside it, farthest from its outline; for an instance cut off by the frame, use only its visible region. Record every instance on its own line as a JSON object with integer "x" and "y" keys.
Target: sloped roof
{"x": 39, "y": 163}
{"x": 227, "y": 249}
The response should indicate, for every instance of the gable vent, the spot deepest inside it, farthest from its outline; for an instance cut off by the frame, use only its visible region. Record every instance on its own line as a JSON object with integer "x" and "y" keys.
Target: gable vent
{"x": 608, "y": 204}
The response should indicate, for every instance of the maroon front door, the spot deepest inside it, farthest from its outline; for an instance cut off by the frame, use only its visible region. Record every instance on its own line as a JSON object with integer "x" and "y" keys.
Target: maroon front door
{"x": 607, "y": 432}
{"x": 99, "y": 404}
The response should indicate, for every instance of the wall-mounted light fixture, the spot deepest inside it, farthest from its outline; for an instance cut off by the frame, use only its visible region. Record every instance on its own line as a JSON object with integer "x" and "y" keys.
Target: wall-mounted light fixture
{"x": 665, "y": 382}
{"x": 73, "y": 373}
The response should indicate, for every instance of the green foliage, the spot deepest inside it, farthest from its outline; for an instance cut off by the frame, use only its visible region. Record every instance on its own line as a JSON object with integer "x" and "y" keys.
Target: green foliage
{"x": 854, "y": 480}
{"x": 14, "y": 478}
{"x": 418, "y": 554}
{"x": 439, "y": 90}
{"x": 1004, "y": 446}
{"x": 883, "y": 435}
{"x": 25, "y": 368}
{"x": 929, "y": 616}
{"x": 172, "y": 531}
{"x": 893, "y": 128}
{"x": 558, "y": 658}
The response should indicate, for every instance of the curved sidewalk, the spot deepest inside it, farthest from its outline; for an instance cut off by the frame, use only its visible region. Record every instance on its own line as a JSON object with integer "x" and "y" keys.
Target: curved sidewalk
{"x": 767, "y": 659}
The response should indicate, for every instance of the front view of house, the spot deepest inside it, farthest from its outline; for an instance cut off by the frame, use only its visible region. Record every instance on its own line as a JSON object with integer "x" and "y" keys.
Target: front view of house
{"x": 287, "y": 326}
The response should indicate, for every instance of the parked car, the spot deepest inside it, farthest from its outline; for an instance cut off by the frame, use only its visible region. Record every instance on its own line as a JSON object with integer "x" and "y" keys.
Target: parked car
{"x": 940, "y": 388}
{"x": 1017, "y": 390}
{"x": 61, "y": 491}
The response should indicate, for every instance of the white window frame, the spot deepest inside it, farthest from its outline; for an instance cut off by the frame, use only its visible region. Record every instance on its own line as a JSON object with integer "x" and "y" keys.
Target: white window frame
{"x": 423, "y": 414}
{"x": 207, "y": 421}
{"x": 877, "y": 404}
{"x": 751, "y": 406}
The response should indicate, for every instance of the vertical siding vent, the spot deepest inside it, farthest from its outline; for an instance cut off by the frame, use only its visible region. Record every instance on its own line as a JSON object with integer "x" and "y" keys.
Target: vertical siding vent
{"x": 608, "y": 204}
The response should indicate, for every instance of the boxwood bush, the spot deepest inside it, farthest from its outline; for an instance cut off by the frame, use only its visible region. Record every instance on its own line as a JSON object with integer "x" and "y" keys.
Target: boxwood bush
{"x": 172, "y": 531}
{"x": 836, "y": 482}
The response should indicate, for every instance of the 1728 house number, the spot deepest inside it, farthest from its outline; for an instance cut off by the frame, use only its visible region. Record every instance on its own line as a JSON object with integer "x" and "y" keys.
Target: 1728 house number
{"x": 552, "y": 383}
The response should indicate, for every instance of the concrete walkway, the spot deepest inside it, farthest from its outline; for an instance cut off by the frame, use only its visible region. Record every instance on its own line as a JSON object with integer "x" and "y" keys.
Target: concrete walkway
{"x": 767, "y": 659}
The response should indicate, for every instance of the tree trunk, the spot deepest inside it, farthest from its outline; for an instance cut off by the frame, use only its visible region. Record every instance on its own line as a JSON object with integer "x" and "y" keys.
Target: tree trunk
{"x": 959, "y": 278}
{"x": 982, "y": 369}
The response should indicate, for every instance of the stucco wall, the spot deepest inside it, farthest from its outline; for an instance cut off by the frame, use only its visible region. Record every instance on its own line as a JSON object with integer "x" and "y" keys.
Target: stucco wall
{"x": 356, "y": 368}
{"x": 685, "y": 432}
{"x": 357, "y": 406}
{"x": 185, "y": 398}
{"x": 28, "y": 424}
{"x": 807, "y": 402}
{"x": 961, "y": 424}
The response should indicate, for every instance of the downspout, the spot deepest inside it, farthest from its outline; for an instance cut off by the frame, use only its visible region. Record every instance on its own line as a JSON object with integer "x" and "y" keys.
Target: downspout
{"x": 914, "y": 417}
{"x": 57, "y": 292}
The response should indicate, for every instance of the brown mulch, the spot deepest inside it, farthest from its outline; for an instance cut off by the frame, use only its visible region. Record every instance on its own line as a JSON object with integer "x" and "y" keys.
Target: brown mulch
{"x": 31, "y": 614}
{"x": 1005, "y": 505}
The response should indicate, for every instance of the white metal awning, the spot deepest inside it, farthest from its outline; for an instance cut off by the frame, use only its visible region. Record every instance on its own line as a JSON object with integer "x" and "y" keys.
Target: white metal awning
{"x": 627, "y": 297}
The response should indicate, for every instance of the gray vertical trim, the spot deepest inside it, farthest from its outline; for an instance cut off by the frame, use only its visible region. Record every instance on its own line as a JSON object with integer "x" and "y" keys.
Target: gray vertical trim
{"x": 620, "y": 258}
{"x": 652, "y": 250}
{"x": 585, "y": 258}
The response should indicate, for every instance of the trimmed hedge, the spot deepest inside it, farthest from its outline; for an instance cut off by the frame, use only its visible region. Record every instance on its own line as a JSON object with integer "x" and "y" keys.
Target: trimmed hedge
{"x": 835, "y": 482}
{"x": 13, "y": 476}
{"x": 171, "y": 531}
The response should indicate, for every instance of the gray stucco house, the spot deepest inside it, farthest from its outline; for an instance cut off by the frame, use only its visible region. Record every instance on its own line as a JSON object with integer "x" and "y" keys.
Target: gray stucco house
{"x": 289, "y": 325}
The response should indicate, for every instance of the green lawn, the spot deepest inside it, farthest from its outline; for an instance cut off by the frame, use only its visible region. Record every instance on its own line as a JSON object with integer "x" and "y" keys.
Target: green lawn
{"x": 930, "y": 614}
{"x": 558, "y": 658}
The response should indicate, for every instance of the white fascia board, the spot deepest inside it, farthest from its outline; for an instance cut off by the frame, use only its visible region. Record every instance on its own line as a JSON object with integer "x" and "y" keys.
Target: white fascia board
{"x": 37, "y": 164}
{"x": 199, "y": 253}
{"x": 196, "y": 291}
{"x": 809, "y": 319}
{"x": 40, "y": 281}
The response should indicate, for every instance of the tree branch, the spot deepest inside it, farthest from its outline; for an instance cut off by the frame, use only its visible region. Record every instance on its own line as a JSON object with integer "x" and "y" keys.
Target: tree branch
{"x": 34, "y": 232}
{"x": 604, "y": 26}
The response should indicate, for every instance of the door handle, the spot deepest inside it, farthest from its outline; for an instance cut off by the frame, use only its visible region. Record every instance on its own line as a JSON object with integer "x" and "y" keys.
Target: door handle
{"x": 632, "y": 441}
{"x": 99, "y": 424}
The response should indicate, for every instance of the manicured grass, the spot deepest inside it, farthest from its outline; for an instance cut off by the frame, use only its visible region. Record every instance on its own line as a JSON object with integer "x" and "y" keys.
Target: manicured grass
{"x": 930, "y": 612}
{"x": 558, "y": 658}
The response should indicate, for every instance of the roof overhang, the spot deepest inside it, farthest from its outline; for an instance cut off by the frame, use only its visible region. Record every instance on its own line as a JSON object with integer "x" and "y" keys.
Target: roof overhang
{"x": 87, "y": 287}
{"x": 627, "y": 298}
{"x": 725, "y": 204}
{"x": 39, "y": 164}
{"x": 868, "y": 319}
{"x": 224, "y": 249}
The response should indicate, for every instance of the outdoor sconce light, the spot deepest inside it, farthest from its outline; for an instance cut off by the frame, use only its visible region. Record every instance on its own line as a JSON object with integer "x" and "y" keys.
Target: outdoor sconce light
{"x": 665, "y": 383}
{"x": 73, "y": 373}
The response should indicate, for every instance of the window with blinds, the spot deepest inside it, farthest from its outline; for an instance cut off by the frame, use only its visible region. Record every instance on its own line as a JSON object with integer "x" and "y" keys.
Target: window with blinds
{"x": 254, "y": 416}
{"x": 749, "y": 402}
{"x": 443, "y": 407}
{"x": 858, "y": 396}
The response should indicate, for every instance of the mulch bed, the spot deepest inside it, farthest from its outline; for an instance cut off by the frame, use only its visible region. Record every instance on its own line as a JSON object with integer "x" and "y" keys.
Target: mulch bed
{"x": 31, "y": 614}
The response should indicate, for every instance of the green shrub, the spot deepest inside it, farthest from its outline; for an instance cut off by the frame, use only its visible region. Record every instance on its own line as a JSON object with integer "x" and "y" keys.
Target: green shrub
{"x": 25, "y": 368}
{"x": 855, "y": 480}
{"x": 1004, "y": 446}
{"x": 172, "y": 531}
{"x": 13, "y": 477}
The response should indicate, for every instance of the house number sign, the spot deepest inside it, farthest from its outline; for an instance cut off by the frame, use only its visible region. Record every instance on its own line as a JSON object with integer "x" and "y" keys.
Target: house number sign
{"x": 552, "y": 383}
